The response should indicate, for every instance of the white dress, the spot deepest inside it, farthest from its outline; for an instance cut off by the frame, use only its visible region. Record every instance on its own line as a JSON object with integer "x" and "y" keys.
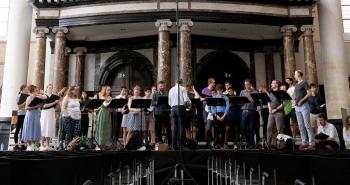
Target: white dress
{"x": 48, "y": 122}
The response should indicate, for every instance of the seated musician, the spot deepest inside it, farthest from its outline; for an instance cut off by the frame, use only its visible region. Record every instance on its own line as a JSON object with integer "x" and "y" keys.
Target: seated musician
{"x": 330, "y": 143}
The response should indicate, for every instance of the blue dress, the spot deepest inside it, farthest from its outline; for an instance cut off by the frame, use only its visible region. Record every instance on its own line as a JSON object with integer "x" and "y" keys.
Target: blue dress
{"x": 31, "y": 126}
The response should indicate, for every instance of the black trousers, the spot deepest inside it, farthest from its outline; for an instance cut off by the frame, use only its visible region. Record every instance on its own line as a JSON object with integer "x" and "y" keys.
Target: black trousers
{"x": 220, "y": 129}
{"x": 19, "y": 126}
{"x": 160, "y": 122}
{"x": 178, "y": 125}
{"x": 286, "y": 128}
{"x": 84, "y": 124}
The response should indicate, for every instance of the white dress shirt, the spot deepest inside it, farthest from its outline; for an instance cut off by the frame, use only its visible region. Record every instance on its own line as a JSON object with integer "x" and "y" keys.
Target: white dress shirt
{"x": 330, "y": 130}
{"x": 346, "y": 135}
{"x": 173, "y": 96}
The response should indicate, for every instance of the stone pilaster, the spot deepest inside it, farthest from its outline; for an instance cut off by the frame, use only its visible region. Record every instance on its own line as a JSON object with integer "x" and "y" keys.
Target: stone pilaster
{"x": 164, "y": 59}
{"x": 39, "y": 66}
{"x": 288, "y": 50}
{"x": 59, "y": 77}
{"x": 185, "y": 51}
{"x": 79, "y": 66}
{"x": 309, "y": 54}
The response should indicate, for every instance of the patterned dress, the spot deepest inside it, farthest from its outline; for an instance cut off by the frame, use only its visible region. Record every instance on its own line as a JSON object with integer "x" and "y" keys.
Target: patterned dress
{"x": 136, "y": 121}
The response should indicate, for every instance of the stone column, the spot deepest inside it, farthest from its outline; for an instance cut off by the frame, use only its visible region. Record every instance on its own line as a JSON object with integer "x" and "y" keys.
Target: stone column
{"x": 39, "y": 67}
{"x": 334, "y": 63}
{"x": 185, "y": 51}
{"x": 309, "y": 54}
{"x": 288, "y": 50}
{"x": 79, "y": 66}
{"x": 269, "y": 66}
{"x": 164, "y": 59}
{"x": 17, "y": 54}
{"x": 59, "y": 73}
{"x": 67, "y": 52}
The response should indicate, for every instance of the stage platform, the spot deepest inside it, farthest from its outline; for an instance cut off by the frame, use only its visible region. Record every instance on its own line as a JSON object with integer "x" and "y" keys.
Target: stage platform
{"x": 76, "y": 168}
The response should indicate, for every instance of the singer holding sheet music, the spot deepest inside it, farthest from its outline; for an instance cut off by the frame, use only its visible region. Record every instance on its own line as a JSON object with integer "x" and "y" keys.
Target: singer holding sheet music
{"x": 248, "y": 115}
{"x": 31, "y": 132}
{"x": 71, "y": 114}
{"x": 48, "y": 118}
{"x": 103, "y": 132}
{"x": 21, "y": 111}
{"x": 220, "y": 114}
{"x": 326, "y": 129}
{"x": 134, "y": 121}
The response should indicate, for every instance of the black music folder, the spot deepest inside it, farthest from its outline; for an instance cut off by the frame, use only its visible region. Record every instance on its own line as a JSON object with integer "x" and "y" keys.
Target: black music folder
{"x": 321, "y": 136}
{"x": 52, "y": 99}
{"x": 117, "y": 103}
{"x": 162, "y": 100}
{"x": 36, "y": 101}
{"x": 262, "y": 98}
{"x": 22, "y": 98}
{"x": 93, "y": 104}
{"x": 238, "y": 100}
{"x": 215, "y": 102}
{"x": 141, "y": 103}
{"x": 281, "y": 95}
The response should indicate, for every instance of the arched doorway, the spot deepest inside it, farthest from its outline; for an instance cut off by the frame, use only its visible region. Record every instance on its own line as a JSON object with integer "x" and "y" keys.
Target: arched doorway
{"x": 223, "y": 65}
{"x": 126, "y": 68}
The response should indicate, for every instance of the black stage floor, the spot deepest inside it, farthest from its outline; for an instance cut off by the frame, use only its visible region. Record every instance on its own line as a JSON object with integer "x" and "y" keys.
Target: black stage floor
{"x": 65, "y": 168}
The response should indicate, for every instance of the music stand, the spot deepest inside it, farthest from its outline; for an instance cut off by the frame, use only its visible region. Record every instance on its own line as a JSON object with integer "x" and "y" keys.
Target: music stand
{"x": 93, "y": 104}
{"x": 215, "y": 102}
{"x": 238, "y": 100}
{"x": 115, "y": 104}
{"x": 142, "y": 104}
{"x": 261, "y": 99}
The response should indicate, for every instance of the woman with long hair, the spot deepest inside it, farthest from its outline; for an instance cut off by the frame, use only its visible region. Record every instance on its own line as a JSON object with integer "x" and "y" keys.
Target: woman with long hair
{"x": 48, "y": 119}
{"x": 346, "y": 133}
{"x": 103, "y": 132}
{"x": 31, "y": 132}
{"x": 20, "y": 114}
{"x": 71, "y": 114}
{"x": 101, "y": 93}
{"x": 62, "y": 93}
{"x": 135, "y": 119}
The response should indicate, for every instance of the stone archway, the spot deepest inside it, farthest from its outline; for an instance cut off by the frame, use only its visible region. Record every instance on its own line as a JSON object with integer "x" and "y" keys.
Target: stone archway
{"x": 126, "y": 68}
{"x": 223, "y": 65}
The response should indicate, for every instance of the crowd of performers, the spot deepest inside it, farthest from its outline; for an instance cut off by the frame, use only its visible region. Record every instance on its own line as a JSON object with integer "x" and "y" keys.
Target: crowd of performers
{"x": 176, "y": 117}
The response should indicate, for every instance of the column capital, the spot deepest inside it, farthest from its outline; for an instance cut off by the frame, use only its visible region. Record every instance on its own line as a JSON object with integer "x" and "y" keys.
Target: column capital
{"x": 60, "y": 31}
{"x": 80, "y": 50}
{"x": 288, "y": 29}
{"x": 307, "y": 29}
{"x": 163, "y": 24}
{"x": 67, "y": 51}
{"x": 185, "y": 24}
{"x": 41, "y": 31}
